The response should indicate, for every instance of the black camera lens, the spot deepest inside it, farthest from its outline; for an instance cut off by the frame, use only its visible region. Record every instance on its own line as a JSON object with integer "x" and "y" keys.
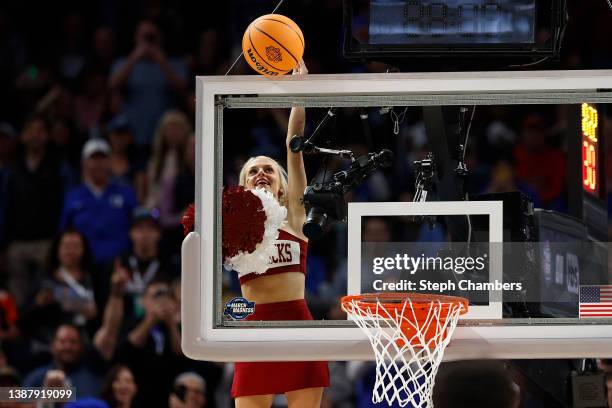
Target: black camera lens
{"x": 315, "y": 223}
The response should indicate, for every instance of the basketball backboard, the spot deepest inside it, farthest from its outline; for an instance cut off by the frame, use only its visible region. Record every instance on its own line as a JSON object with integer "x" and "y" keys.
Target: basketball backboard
{"x": 541, "y": 319}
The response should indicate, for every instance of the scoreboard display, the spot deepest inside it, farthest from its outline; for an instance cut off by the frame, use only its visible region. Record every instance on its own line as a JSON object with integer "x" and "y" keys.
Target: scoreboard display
{"x": 452, "y": 22}
{"x": 590, "y": 149}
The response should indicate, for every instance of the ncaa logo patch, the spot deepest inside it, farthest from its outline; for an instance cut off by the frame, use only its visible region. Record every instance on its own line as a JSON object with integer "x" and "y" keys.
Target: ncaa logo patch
{"x": 274, "y": 54}
{"x": 239, "y": 308}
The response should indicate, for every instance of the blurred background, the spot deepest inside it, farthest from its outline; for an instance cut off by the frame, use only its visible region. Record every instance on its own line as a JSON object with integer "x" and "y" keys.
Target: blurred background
{"x": 97, "y": 159}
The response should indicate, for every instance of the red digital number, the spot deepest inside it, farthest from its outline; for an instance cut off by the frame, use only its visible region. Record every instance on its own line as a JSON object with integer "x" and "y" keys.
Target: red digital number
{"x": 589, "y": 167}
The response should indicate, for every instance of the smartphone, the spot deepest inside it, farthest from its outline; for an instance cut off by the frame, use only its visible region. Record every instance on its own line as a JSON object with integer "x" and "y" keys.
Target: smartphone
{"x": 180, "y": 391}
{"x": 161, "y": 293}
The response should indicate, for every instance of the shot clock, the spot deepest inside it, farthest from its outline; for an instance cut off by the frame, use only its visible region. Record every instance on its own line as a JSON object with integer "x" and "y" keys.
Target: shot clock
{"x": 586, "y": 175}
{"x": 396, "y": 29}
{"x": 590, "y": 151}
{"x": 452, "y": 22}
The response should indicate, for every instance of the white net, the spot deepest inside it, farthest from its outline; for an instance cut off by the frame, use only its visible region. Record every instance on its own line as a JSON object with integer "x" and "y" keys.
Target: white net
{"x": 408, "y": 339}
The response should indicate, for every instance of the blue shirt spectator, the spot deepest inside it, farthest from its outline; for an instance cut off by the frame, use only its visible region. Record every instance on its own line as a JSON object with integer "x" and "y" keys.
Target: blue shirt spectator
{"x": 99, "y": 209}
{"x": 76, "y": 369}
{"x": 147, "y": 79}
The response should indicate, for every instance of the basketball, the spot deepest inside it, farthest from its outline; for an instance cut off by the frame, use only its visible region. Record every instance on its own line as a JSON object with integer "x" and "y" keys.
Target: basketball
{"x": 273, "y": 44}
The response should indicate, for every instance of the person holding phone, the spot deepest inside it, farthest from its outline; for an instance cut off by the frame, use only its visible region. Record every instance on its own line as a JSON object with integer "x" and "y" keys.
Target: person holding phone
{"x": 153, "y": 345}
{"x": 189, "y": 391}
{"x": 147, "y": 78}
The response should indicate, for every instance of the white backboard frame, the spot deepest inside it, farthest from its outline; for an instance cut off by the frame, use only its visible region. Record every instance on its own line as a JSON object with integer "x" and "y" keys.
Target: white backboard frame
{"x": 493, "y": 209}
{"x": 204, "y": 339}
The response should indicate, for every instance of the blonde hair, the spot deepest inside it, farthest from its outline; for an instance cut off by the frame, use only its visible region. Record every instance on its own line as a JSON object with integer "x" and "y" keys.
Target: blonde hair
{"x": 160, "y": 147}
{"x": 284, "y": 185}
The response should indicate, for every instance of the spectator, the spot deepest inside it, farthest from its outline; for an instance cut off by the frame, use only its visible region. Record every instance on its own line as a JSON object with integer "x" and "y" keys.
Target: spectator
{"x": 65, "y": 296}
{"x": 167, "y": 160}
{"x": 13, "y": 57}
{"x": 70, "y": 283}
{"x": 146, "y": 78}
{"x": 119, "y": 388}
{"x": 207, "y": 57}
{"x": 88, "y": 402}
{"x": 503, "y": 180}
{"x": 180, "y": 193}
{"x": 475, "y": 384}
{"x": 7, "y": 154}
{"x": 8, "y": 317}
{"x": 7, "y": 144}
{"x": 90, "y": 103}
{"x": 99, "y": 203}
{"x": 107, "y": 336}
{"x": 68, "y": 351}
{"x": 67, "y": 143}
{"x": 143, "y": 263}
{"x": 103, "y": 48}
{"x": 184, "y": 185}
{"x": 153, "y": 346}
{"x": 34, "y": 191}
{"x": 71, "y": 52}
{"x": 9, "y": 377}
{"x": 530, "y": 153}
{"x": 189, "y": 391}
{"x": 124, "y": 167}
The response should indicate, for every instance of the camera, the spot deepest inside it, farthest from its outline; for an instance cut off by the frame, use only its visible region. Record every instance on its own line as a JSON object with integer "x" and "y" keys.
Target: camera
{"x": 325, "y": 201}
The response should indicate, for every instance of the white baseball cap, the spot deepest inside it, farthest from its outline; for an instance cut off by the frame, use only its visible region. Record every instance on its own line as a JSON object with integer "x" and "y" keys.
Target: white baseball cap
{"x": 95, "y": 146}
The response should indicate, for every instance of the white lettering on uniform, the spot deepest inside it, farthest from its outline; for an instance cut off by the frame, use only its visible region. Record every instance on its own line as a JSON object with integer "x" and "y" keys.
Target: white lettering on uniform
{"x": 287, "y": 253}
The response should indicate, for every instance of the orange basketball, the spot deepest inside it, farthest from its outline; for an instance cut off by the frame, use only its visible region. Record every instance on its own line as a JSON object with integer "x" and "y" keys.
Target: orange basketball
{"x": 273, "y": 45}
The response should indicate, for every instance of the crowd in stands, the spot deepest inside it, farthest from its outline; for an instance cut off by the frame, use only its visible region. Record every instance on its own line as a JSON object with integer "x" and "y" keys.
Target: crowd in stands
{"x": 97, "y": 165}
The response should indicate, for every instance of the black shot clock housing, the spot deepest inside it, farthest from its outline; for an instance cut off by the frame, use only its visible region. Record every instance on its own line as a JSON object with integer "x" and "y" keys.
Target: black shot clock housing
{"x": 511, "y": 30}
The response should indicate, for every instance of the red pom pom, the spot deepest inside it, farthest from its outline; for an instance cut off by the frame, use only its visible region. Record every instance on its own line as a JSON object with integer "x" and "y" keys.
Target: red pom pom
{"x": 188, "y": 219}
{"x": 243, "y": 221}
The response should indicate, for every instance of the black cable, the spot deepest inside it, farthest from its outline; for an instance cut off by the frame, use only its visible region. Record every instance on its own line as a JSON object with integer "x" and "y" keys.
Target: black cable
{"x": 331, "y": 113}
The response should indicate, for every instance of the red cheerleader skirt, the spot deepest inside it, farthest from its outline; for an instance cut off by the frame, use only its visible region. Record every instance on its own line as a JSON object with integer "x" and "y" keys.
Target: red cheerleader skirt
{"x": 279, "y": 377}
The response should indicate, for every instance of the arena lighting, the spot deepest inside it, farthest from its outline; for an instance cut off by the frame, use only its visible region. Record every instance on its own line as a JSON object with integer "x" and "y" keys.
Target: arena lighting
{"x": 515, "y": 31}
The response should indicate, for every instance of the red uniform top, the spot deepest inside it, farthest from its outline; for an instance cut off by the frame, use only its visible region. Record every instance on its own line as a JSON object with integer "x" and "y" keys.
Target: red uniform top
{"x": 290, "y": 257}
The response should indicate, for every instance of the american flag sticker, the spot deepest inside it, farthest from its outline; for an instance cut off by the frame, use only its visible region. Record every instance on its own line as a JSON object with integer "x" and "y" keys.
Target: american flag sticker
{"x": 596, "y": 301}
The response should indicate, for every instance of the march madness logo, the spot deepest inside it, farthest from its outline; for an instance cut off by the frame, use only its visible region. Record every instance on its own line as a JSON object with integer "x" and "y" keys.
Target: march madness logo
{"x": 239, "y": 308}
{"x": 274, "y": 54}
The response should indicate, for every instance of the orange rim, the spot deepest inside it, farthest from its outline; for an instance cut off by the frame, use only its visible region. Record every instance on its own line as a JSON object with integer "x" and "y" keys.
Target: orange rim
{"x": 394, "y": 302}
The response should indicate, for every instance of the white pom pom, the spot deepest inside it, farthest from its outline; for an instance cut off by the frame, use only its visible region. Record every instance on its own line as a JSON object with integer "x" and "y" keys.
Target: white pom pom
{"x": 258, "y": 261}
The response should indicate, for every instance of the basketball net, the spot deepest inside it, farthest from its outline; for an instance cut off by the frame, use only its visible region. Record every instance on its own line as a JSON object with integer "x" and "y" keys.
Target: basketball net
{"x": 408, "y": 333}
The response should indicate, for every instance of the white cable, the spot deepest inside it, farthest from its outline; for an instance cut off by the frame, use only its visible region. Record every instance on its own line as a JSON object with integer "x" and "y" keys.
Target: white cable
{"x": 397, "y": 119}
